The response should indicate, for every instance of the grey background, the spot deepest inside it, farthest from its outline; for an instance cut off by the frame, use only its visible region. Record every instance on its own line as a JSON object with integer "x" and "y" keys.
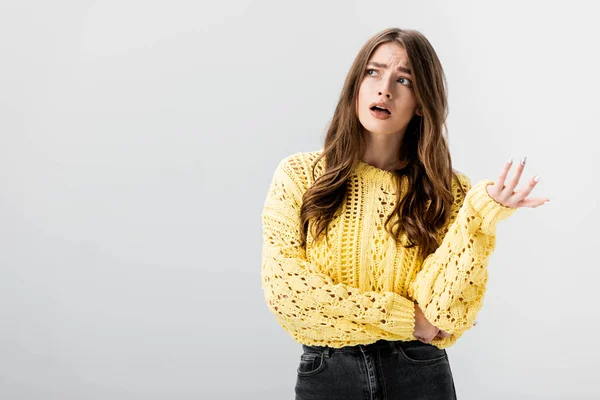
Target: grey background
{"x": 137, "y": 143}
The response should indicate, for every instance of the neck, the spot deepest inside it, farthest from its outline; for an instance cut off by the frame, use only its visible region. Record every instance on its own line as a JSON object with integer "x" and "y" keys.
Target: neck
{"x": 382, "y": 151}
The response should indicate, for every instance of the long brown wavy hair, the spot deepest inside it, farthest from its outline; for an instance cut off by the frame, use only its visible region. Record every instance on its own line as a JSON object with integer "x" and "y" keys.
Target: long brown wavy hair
{"x": 429, "y": 196}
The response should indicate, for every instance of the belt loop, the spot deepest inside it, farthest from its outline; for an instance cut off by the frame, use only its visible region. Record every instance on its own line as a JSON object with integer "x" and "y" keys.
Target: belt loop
{"x": 327, "y": 351}
{"x": 393, "y": 346}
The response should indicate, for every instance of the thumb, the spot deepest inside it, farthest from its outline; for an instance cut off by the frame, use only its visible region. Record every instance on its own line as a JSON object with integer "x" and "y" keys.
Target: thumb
{"x": 444, "y": 334}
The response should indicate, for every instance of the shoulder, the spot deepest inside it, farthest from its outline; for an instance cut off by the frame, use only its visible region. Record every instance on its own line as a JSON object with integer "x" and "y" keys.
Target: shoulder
{"x": 299, "y": 167}
{"x": 461, "y": 180}
{"x": 300, "y": 160}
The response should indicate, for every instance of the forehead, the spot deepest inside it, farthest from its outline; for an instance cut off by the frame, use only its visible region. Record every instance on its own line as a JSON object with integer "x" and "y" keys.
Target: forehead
{"x": 391, "y": 53}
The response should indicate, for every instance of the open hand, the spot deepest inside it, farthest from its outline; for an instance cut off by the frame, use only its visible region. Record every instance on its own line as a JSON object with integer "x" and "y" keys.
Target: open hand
{"x": 507, "y": 196}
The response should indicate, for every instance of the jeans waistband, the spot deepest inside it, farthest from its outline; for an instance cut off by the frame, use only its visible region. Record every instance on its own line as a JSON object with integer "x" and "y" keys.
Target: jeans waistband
{"x": 380, "y": 344}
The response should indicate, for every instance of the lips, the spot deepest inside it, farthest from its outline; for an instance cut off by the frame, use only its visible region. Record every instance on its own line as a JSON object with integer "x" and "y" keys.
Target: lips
{"x": 380, "y": 114}
{"x": 380, "y": 106}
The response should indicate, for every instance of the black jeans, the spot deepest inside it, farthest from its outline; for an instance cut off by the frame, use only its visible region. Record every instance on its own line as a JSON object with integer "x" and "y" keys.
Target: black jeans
{"x": 384, "y": 370}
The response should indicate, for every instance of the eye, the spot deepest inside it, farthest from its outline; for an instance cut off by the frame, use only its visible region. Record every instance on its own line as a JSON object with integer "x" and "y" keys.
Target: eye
{"x": 409, "y": 83}
{"x": 369, "y": 70}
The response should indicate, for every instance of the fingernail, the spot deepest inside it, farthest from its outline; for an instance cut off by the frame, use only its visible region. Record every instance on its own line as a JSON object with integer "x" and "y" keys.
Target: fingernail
{"x": 523, "y": 160}
{"x": 510, "y": 160}
{"x": 536, "y": 178}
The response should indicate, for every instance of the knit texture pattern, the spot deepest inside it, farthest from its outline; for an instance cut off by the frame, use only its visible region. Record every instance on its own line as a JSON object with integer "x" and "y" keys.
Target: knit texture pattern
{"x": 363, "y": 286}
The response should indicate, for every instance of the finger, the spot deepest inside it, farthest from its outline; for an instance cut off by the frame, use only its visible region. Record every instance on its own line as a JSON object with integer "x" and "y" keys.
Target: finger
{"x": 444, "y": 334}
{"x": 424, "y": 339}
{"x": 533, "y": 202}
{"x": 515, "y": 181}
{"x": 504, "y": 173}
{"x": 524, "y": 192}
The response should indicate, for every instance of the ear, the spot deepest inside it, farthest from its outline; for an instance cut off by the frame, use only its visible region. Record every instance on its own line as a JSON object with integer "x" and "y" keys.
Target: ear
{"x": 419, "y": 112}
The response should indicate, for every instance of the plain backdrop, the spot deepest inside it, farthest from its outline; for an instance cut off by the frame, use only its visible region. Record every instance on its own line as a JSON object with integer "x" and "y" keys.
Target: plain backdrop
{"x": 137, "y": 143}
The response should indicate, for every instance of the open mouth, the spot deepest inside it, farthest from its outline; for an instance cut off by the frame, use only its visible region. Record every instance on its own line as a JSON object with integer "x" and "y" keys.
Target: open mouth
{"x": 381, "y": 109}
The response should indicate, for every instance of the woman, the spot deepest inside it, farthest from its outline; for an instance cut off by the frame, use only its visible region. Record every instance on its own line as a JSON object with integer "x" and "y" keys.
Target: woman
{"x": 374, "y": 248}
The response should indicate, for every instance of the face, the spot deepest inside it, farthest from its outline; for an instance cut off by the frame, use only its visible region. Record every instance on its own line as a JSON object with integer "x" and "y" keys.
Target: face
{"x": 386, "y": 80}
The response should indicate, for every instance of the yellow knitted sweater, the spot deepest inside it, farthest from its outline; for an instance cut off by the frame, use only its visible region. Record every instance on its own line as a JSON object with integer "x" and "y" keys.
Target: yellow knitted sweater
{"x": 364, "y": 286}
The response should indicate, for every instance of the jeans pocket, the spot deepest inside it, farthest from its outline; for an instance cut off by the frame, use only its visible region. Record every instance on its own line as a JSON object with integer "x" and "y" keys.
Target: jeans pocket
{"x": 310, "y": 364}
{"x": 418, "y": 352}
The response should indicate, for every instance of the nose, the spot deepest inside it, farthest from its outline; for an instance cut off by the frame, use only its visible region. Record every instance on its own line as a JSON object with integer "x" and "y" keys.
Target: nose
{"x": 385, "y": 86}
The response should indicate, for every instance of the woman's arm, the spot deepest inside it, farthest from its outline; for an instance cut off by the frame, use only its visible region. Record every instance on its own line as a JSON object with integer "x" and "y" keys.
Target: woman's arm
{"x": 452, "y": 282}
{"x": 306, "y": 301}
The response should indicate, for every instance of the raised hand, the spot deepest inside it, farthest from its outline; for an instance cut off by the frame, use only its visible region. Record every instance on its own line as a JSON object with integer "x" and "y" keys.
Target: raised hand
{"x": 506, "y": 195}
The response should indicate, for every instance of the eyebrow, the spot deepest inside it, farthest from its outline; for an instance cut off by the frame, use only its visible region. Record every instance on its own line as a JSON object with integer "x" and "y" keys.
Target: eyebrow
{"x": 401, "y": 68}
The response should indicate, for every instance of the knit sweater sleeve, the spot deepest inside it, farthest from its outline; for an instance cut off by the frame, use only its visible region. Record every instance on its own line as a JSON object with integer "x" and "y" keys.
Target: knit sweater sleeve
{"x": 305, "y": 301}
{"x": 451, "y": 283}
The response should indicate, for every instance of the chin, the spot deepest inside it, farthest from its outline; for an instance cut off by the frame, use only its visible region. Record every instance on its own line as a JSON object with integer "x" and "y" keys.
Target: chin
{"x": 380, "y": 127}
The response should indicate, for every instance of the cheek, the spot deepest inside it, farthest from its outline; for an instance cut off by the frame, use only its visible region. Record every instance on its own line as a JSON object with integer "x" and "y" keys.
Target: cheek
{"x": 363, "y": 98}
{"x": 359, "y": 101}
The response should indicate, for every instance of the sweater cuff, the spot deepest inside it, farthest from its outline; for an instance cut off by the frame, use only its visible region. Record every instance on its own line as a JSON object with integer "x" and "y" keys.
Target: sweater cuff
{"x": 400, "y": 316}
{"x": 490, "y": 211}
